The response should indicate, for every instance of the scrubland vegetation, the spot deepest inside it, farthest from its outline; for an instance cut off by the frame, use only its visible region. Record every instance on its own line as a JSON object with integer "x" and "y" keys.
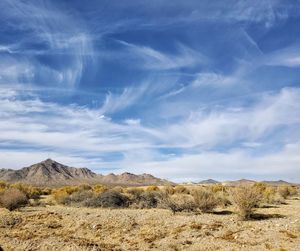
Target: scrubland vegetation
{"x": 198, "y": 199}
{"x": 241, "y": 203}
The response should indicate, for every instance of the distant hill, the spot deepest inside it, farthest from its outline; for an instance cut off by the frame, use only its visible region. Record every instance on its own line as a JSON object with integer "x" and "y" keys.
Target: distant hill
{"x": 52, "y": 173}
{"x": 238, "y": 182}
{"x": 209, "y": 181}
{"x": 277, "y": 182}
{"x": 251, "y": 182}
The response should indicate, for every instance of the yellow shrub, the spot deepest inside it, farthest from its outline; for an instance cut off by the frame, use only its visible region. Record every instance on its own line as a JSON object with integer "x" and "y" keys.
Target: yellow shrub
{"x": 217, "y": 188}
{"x": 169, "y": 190}
{"x": 260, "y": 186}
{"x": 181, "y": 189}
{"x": 152, "y": 188}
{"x": 118, "y": 189}
{"x": 46, "y": 191}
{"x": 60, "y": 196}
{"x": 2, "y": 190}
{"x": 3, "y": 184}
{"x": 269, "y": 194}
{"x": 134, "y": 192}
{"x": 85, "y": 187}
{"x": 99, "y": 188}
{"x": 29, "y": 191}
{"x": 286, "y": 191}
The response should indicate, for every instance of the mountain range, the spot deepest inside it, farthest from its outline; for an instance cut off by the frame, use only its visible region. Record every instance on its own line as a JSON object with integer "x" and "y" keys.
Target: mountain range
{"x": 52, "y": 173}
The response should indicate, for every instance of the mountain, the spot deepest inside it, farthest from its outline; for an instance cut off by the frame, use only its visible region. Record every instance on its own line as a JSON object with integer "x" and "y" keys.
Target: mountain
{"x": 277, "y": 182}
{"x": 239, "y": 182}
{"x": 208, "y": 182}
{"x": 52, "y": 173}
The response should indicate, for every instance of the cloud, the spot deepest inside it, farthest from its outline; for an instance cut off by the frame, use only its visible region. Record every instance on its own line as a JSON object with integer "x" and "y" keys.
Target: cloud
{"x": 82, "y": 133}
{"x": 234, "y": 164}
{"x": 156, "y": 60}
{"x": 288, "y": 57}
{"x": 209, "y": 128}
{"x": 50, "y": 35}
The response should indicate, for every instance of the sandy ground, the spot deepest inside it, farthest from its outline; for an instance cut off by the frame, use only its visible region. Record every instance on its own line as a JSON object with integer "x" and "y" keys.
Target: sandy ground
{"x": 66, "y": 228}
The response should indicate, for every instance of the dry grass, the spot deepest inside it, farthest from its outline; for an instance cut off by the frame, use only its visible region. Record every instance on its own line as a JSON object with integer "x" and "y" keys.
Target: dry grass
{"x": 60, "y": 227}
{"x": 205, "y": 200}
{"x": 13, "y": 198}
{"x": 246, "y": 198}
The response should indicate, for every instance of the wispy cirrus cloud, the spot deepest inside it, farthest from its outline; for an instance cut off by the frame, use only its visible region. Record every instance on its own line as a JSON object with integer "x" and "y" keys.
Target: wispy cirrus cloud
{"x": 171, "y": 88}
{"x": 49, "y": 32}
{"x": 156, "y": 60}
{"x": 82, "y": 132}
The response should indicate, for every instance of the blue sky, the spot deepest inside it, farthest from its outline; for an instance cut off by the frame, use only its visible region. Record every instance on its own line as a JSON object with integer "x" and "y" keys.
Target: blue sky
{"x": 185, "y": 90}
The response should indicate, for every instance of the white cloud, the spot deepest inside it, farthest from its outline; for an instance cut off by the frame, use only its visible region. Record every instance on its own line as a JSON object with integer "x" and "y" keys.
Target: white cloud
{"x": 234, "y": 164}
{"x": 289, "y": 57}
{"x": 80, "y": 132}
{"x": 156, "y": 60}
{"x": 60, "y": 35}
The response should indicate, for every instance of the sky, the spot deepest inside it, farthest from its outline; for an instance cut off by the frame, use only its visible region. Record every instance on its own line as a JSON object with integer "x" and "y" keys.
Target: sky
{"x": 184, "y": 90}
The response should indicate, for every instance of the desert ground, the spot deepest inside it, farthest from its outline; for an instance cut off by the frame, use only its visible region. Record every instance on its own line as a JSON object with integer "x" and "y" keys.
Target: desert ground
{"x": 57, "y": 227}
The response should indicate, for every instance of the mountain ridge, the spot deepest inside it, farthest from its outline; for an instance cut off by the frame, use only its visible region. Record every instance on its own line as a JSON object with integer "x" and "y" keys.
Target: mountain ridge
{"x": 52, "y": 173}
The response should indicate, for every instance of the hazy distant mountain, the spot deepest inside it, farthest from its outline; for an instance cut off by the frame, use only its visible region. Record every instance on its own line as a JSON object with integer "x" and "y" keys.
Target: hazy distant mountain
{"x": 277, "y": 182}
{"x": 250, "y": 182}
{"x": 52, "y": 173}
{"x": 209, "y": 181}
{"x": 239, "y": 182}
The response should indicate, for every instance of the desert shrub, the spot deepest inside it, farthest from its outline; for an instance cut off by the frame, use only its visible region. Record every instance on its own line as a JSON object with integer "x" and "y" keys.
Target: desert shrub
{"x": 3, "y": 185}
{"x": 85, "y": 187}
{"x": 13, "y": 198}
{"x": 100, "y": 188}
{"x": 30, "y": 191}
{"x": 134, "y": 193}
{"x": 292, "y": 190}
{"x": 260, "y": 186}
{"x": 178, "y": 203}
{"x": 60, "y": 196}
{"x": 205, "y": 199}
{"x": 286, "y": 191}
{"x": 223, "y": 198}
{"x": 118, "y": 189}
{"x": 78, "y": 197}
{"x": 46, "y": 191}
{"x": 168, "y": 190}
{"x": 152, "y": 188}
{"x": 181, "y": 189}
{"x": 269, "y": 195}
{"x": 246, "y": 198}
{"x": 108, "y": 199}
{"x": 2, "y": 190}
{"x": 147, "y": 199}
{"x": 70, "y": 189}
{"x": 217, "y": 188}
